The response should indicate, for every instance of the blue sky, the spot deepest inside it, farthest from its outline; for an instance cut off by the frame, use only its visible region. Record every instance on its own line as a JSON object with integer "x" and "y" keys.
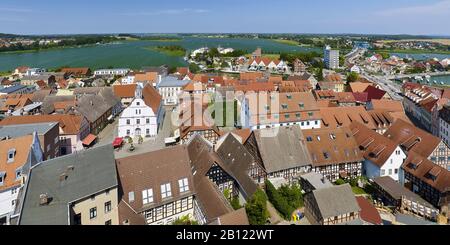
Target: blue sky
{"x": 429, "y": 17}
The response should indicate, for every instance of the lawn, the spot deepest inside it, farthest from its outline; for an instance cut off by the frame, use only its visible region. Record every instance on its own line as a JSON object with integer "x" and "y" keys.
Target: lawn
{"x": 287, "y": 42}
{"x": 358, "y": 191}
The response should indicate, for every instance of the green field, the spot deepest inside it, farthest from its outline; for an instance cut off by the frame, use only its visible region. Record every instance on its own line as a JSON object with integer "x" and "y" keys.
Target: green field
{"x": 167, "y": 51}
{"x": 288, "y": 42}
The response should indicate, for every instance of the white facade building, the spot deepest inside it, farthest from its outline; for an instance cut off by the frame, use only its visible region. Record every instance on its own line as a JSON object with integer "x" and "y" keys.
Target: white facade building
{"x": 111, "y": 72}
{"x": 391, "y": 168}
{"x": 138, "y": 119}
{"x": 170, "y": 88}
{"x": 331, "y": 58}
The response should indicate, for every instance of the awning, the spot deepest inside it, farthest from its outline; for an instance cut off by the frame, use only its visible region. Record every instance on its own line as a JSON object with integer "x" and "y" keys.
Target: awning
{"x": 89, "y": 139}
{"x": 117, "y": 142}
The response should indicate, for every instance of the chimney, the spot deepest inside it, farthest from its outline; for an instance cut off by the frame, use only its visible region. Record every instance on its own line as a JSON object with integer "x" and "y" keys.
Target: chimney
{"x": 43, "y": 199}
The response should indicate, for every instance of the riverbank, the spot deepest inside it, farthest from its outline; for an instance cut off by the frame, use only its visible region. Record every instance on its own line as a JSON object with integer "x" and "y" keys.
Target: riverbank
{"x": 168, "y": 50}
{"x": 54, "y": 48}
{"x": 287, "y": 42}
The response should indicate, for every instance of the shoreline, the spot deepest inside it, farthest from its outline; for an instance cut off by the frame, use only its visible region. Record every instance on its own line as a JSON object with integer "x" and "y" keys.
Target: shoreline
{"x": 53, "y": 48}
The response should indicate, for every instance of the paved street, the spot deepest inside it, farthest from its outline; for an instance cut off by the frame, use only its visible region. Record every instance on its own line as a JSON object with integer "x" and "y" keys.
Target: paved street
{"x": 151, "y": 144}
{"x": 392, "y": 88}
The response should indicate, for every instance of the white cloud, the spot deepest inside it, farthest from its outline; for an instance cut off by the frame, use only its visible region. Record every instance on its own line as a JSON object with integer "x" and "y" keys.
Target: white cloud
{"x": 169, "y": 12}
{"x": 441, "y": 7}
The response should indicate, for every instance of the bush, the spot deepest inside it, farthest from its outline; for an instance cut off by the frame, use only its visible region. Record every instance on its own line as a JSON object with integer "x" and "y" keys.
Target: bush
{"x": 256, "y": 208}
{"x": 235, "y": 203}
{"x": 339, "y": 182}
{"x": 279, "y": 202}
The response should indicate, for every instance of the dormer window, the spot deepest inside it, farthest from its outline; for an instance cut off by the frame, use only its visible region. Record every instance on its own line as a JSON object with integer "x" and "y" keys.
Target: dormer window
{"x": 147, "y": 196}
{"x": 289, "y": 96}
{"x": 11, "y": 154}
{"x": 284, "y": 106}
{"x": 166, "y": 190}
{"x": 183, "y": 184}
{"x": 131, "y": 196}
{"x": 138, "y": 103}
{"x": 2, "y": 177}
{"x": 301, "y": 105}
{"x": 18, "y": 173}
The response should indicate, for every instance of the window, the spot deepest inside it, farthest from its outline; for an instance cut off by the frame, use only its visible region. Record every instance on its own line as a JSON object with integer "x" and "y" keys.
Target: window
{"x": 165, "y": 190}
{"x": 138, "y": 103}
{"x": 309, "y": 138}
{"x": 13, "y": 202}
{"x": 128, "y": 132}
{"x": 297, "y": 115}
{"x": 326, "y": 155}
{"x": 286, "y": 115}
{"x": 11, "y": 153}
{"x": 107, "y": 207}
{"x": 266, "y": 107}
{"x": 301, "y": 105}
{"x": 332, "y": 136}
{"x": 93, "y": 213}
{"x": 183, "y": 183}
{"x": 147, "y": 120}
{"x": 284, "y": 106}
{"x": 147, "y": 196}
{"x": 56, "y": 140}
{"x": 13, "y": 191}
{"x": 128, "y": 121}
{"x": 382, "y": 172}
{"x": 18, "y": 173}
{"x": 147, "y": 131}
{"x": 310, "y": 113}
{"x": 289, "y": 96}
{"x": 390, "y": 171}
{"x": 138, "y": 121}
{"x": 316, "y": 122}
{"x": 108, "y": 222}
{"x": 396, "y": 171}
{"x": 131, "y": 196}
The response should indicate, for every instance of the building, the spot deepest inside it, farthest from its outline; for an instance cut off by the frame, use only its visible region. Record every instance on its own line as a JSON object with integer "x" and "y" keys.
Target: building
{"x": 98, "y": 108}
{"x": 73, "y": 129}
{"x": 331, "y": 58}
{"x": 337, "y": 117}
{"x": 389, "y": 192}
{"x": 48, "y": 134}
{"x": 272, "y": 110}
{"x": 111, "y": 72}
{"x": 331, "y": 206}
{"x": 444, "y": 125}
{"x": 170, "y": 88}
{"x": 18, "y": 156}
{"x": 313, "y": 181}
{"x": 334, "y": 153}
{"x": 77, "y": 71}
{"x": 77, "y": 189}
{"x": 299, "y": 66}
{"x": 281, "y": 151}
{"x": 138, "y": 119}
{"x": 411, "y": 138}
{"x": 157, "y": 187}
{"x": 194, "y": 119}
{"x": 430, "y": 181}
{"x": 368, "y": 214}
{"x": 125, "y": 92}
{"x": 383, "y": 157}
{"x": 17, "y": 89}
{"x": 241, "y": 165}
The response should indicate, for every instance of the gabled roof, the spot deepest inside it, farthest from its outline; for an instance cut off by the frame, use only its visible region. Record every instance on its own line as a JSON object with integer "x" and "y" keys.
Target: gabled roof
{"x": 374, "y": 93}
{"x": 345, "y": 97}
{"x": 237, "y": 217}
{"x": 69, "y": 124}
{"x": 239, "y": 161}
{"x": 332, "y": 146}
{"x": 20, "y": 147}
{"x": 428, "y": 172}
{"x": 335, "y": 117}
{"x": 93, "y": 171}
{"x": 151, "y": 97}
{"x": 151, "y": 170}
{"x": 368, "y": 212}
{"x": 78, "y": 71}
{"x": 124, "y": 91}
{"x": 376, "y": 147}
{"x": 397, "y": 190}
{"x": 412, "y": 138}
{"x": 358, "y": 87}
{"x": 335, "y": 201}
{"x": 361, "y": 97}
{"x": 282, "y": 148}
{"x": 389, "y": 105}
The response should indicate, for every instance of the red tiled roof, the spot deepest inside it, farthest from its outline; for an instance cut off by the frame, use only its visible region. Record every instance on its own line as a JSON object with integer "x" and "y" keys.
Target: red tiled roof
{"x": 374, "y": 93}
{"x": 368, "y": 212}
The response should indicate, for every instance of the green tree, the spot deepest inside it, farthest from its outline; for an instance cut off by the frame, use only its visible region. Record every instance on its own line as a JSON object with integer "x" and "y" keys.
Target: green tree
{"x": 319, "y": 74}
{"x": 352, "y": 77}
{"x": 278, "y": 201}
{"x": 235, "y": 203}
{"x": 339, "y": 182}
{"x": 194, "y": 68}
{"x": 184, "y": 220}
{"x": 256, "y": 208}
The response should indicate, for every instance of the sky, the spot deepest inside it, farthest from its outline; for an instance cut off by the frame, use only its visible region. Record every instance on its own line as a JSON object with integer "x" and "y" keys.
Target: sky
{"x": 423, "y": 17}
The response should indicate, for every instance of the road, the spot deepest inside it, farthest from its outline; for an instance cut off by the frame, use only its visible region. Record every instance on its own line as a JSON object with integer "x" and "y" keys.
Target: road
{"x": 392, "y": 88}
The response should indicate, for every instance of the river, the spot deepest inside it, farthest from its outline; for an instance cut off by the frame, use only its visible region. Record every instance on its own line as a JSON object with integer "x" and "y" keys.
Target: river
{"x": 133, "y": 54}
